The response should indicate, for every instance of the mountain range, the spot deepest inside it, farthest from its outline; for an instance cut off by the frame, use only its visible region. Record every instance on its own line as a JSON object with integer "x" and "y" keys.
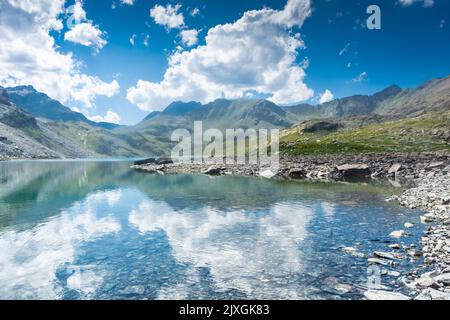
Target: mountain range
{"x": 32, "y": 125}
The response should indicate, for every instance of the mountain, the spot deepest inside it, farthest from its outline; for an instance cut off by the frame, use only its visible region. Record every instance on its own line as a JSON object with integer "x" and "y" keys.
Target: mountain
{"x": 179, "y": 108}
{"x": 40, "y": 105}
{"x": 433, "y": 96}
{"x": 19, "y": 132}
{"x": 33, "y": 125}
{"x": 357, "y": 105}
{"x": 23, "y": 135}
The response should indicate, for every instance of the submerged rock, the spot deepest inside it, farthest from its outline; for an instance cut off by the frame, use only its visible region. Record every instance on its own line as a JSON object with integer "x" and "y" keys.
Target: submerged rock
{"x": 397, "y": 234}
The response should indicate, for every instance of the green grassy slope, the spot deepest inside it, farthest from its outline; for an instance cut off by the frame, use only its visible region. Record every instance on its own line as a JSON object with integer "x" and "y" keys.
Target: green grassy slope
{"x": 429, "y": 132}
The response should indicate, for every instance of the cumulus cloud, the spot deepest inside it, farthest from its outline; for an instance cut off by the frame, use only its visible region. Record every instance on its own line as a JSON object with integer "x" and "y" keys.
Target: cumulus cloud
{"x": 83, "y": 31}
{"x": 29, "y": 56}
{"x": 128, "y": 2}
{"x": 189, "y": 37}
{"x": 87, "y": 35}
{"x": 426, "y": 3}
{"x": 110, "y": 117}
{"x": 168, "y": 16}
{"x": 327, "y": 96}
{"x": 79, "y": 14}
{"x": 236, "y": 58}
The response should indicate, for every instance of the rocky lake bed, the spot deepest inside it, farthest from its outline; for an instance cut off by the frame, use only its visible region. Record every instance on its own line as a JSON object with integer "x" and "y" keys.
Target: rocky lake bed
{"x": 425, "y": 183}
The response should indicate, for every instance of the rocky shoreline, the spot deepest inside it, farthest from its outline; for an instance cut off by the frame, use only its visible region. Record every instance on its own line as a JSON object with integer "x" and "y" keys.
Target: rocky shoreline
{"x": 428, "y": 178}
{"x": 327, "y": 167}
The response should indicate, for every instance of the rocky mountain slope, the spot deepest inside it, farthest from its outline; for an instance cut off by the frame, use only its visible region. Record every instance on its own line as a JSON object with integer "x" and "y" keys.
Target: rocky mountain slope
{"x": 23, "y": 135}
{"x": 40, "y": 105}
{"x": 47, "y": 128}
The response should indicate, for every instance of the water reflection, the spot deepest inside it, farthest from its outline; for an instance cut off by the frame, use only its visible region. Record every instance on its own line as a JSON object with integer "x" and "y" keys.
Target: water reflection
{"x": 245, "y": 251}
{"x": 29, "y": 259}
{"x": 85, "y": 230}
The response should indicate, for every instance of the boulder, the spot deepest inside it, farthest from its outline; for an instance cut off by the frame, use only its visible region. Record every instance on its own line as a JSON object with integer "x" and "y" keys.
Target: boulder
{"x": 322, "y": 126}
{"x": 444, "y": 279}
{"x": 297, "y": 173}
{"x": 213, "y": 171}
{"x": 436, "y": 165}
{"x": 164, "y": 161}
{"x": 145, "y": 161}
{"x": 354, "y": 170}
{"x": 395, "y": 168}
{"x": 268, "y": 174}
{"x": 426, "y": 282}
{"x": 387, "y": 255}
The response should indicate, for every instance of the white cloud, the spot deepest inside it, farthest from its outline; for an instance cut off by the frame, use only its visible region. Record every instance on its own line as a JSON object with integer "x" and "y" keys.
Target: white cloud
{"x": 168, "y": 16}
{"x": 360, "y": 78}
{"x": 327, "y": 96}
{"x": 345, "y": 49}
{"x": 442, "y": 23}
{"x": 132, "y": 39}
{"x": 128, "y": 2}
{"x": 29, "y": 56}
{"x": 83, "y": 31}
{"x": 87, "y": 35}
{"x": 426, "y": 3}
{"x": 195, "y": 12}
{"x": 189, "y": 37}
{"x": 236, "y": 58}
{"x": 110, "y": 117}
{"x": 147, "y": 40}
{"x": 78, "y": 12}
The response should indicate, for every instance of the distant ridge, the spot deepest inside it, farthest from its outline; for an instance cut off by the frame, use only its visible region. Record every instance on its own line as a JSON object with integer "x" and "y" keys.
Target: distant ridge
{"x": 42, "y": 106}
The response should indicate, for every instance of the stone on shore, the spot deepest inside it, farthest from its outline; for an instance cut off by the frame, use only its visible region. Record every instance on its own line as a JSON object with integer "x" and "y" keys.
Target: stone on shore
{"x": 268, "y": 174}
{"x": 354, "y": 170}
{"x": 395, "y": 168}
{"x": 436, "y": 165}
{"x": 297, "y": 173}
{"x": 385, "y": 295}
{"x": 213, "y": 171}
{"x": 387, "y": 255}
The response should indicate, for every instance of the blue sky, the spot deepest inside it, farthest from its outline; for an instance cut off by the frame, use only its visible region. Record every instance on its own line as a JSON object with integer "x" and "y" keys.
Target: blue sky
{"x": 335, "y": 52}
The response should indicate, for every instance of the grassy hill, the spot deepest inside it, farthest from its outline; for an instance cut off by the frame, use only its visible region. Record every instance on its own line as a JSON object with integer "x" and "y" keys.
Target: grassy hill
{"x": 425, "y": 133}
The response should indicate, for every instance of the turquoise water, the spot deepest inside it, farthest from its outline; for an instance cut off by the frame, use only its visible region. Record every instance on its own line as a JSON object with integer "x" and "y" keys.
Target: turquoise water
{"x": 99, "y": 230}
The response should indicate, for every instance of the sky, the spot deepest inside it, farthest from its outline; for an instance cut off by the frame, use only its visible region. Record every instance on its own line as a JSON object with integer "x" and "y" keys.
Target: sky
{"x": 118, "y": 60}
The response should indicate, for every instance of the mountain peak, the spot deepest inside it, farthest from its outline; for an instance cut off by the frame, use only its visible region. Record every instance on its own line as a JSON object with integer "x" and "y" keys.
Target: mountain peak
{"x": 387, "y": 93}
{"x": 179, "y": 108}
{"x": 26, "y": 88}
